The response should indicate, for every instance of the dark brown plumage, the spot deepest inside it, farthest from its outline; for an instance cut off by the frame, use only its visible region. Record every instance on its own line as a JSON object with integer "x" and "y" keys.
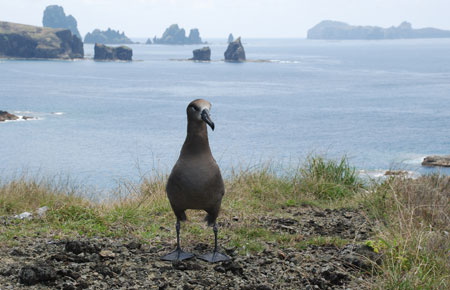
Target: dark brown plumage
{"x": 195, "y": 181}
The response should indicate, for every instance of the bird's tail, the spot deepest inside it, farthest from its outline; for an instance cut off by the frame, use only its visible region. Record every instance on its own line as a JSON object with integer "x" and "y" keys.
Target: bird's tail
{"x": 211, "y": 220}
{"x": 181, "y": 216}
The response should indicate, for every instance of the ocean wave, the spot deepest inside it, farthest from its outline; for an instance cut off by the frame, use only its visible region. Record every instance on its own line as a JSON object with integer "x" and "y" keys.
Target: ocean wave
{"x": 284, "y": 61}
{"x": 57, "y": 113}
{"x": 21, "y": 119}
{"x": 381, "y": 174}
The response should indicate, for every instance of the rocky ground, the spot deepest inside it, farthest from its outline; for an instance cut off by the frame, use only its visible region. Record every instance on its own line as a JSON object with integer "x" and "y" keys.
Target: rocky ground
{"x": 111, "y": 263}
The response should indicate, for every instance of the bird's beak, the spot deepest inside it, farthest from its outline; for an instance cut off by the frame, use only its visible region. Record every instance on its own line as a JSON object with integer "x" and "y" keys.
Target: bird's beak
{"x": 207, "y": 118}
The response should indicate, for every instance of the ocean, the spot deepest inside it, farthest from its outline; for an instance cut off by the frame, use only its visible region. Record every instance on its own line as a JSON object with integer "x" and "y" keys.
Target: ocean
{"x": 384, "y": 104}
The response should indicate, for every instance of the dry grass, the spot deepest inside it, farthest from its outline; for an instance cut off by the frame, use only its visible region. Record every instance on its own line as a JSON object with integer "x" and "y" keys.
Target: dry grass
{"x": 415, "y": 239}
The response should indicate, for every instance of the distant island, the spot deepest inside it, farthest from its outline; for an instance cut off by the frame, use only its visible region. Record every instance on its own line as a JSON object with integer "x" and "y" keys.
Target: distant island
{"x": 176, "y": 35}
{"x": 107, "y": 37}
{"x": 335, "y": 30}
{"x": 54, "y": 17}
{"x": 27, "y": 41}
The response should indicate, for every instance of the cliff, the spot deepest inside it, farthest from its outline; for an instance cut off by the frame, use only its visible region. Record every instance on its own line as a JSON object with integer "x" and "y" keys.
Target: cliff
{"x": 107, "y": 37}
{"x": 26, "y": 41}
{"x": 54, "y": 17}
{"x": 177, "y": 35}
{"x": 335, "y": 30}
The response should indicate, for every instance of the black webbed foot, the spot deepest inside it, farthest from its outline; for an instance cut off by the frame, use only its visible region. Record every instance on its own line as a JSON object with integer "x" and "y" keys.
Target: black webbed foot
{"x": 177, "y": 255}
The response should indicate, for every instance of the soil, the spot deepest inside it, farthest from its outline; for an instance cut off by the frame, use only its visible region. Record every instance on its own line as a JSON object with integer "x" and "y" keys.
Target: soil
{"x": 111, "y": 263}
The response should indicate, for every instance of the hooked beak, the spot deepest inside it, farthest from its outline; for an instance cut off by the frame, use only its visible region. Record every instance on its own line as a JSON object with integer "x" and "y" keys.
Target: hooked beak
{"x": 207, "y": 118}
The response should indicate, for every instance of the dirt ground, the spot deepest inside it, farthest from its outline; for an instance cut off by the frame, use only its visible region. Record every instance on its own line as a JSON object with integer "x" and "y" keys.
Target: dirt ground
{"x": 111, "y": 263}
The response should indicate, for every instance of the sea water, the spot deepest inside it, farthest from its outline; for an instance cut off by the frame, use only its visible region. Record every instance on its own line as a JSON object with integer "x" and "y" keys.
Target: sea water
{"x": 384, "y": 104}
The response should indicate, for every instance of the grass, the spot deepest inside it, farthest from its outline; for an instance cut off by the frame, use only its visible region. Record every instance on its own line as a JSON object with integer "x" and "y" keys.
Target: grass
{"x": 411, "y": 215}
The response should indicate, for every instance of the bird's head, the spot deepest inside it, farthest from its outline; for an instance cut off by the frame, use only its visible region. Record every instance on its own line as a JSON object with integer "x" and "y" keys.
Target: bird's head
{"x": 198, "y": 111}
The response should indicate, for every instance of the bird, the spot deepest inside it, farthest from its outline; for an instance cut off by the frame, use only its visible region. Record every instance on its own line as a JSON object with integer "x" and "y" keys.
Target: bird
{"x": 195, "y": 181}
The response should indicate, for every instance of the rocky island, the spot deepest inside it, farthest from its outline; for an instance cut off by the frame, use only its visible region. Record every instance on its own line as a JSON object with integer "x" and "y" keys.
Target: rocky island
{"x": 235, "y": 51}
{"x": 202, "y": 54}
{"x": 26, "y": 41}
{"x": 54, "y": 17}
{"x": 5, "y": 116}
{"x": 177, "y": 35}
{"x": 107, "y": 37}
{"x": 335, "y": 30}
{"x": 103, "y": 52}
{"x": 436, "y": 160}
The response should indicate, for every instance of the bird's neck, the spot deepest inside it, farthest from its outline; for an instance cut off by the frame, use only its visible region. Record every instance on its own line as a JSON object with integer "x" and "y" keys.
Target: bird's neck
{"x": 196, "y": 140}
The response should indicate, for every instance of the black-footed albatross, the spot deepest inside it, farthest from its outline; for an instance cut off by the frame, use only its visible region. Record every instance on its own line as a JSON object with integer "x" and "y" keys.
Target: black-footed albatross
{"x": 195, "y": 181}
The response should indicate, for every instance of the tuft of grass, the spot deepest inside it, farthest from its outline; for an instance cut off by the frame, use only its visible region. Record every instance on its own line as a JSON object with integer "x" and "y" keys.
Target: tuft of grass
{"x": 329, "y": 179}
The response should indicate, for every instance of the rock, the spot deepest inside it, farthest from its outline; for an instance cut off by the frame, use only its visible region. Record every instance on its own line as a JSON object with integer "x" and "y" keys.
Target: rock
{"x": 235, "y": 51}
{"x": 230, "y": 38}
{"x": 24, "y": 216}
{"x": 231, "y": 266}
{"x": 149, "y": 41}
{"x": 54, "y": 17}
{"x": 202, "y": 54}
{"x": 177, "y": 35}
{"x": 107, "y": 254}
{"x": 5, "y": 116}
{"x": 26, "y": 41}
{"x": 360, "y": 256}
{"x": 133, "y": 245}
{"x": 339, "y": 30}
{"x": 396, "y": 173}
{"x": 107, "y": 37}
{"x": 103, "y": 52}
{"x": 41, "y": 211}
{"x": 31, "y": 275}
{"x": 78, "y": 247}
{"x": 435, "y": 160}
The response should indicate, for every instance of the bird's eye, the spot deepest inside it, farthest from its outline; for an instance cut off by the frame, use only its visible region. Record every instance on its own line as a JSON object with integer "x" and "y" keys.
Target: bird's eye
{"x": 196, "y": 108}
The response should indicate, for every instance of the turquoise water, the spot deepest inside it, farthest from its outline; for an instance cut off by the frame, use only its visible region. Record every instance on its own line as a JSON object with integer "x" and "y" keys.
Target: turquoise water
{"x": 383, "y": 103}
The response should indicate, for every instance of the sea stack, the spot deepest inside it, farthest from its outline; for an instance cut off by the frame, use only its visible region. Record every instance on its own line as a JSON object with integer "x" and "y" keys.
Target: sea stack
{"x": 202, "y": 54}
{"x": 235, "y": 51}
{"x": 54, "y": 17}
{"x": 103, "y": 52}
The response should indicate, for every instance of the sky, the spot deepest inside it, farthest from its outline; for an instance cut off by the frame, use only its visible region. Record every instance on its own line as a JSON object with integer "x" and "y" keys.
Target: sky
{"x": 218, "y": 18}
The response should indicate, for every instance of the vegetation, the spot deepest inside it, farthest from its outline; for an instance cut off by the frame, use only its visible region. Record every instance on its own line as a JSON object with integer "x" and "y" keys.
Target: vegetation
{"x": 412, "y": 216}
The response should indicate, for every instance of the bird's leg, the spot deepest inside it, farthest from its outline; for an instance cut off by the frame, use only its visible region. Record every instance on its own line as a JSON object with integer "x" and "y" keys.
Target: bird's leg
{"x": 215, "y": 237}
{"x": 177, "y": 227}
{"x": 178, "y": 254}
{"x": 215, "y": 256}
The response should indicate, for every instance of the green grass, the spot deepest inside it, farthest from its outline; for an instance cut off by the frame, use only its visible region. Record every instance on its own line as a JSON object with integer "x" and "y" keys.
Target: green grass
{"x": 411, "y": 216}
